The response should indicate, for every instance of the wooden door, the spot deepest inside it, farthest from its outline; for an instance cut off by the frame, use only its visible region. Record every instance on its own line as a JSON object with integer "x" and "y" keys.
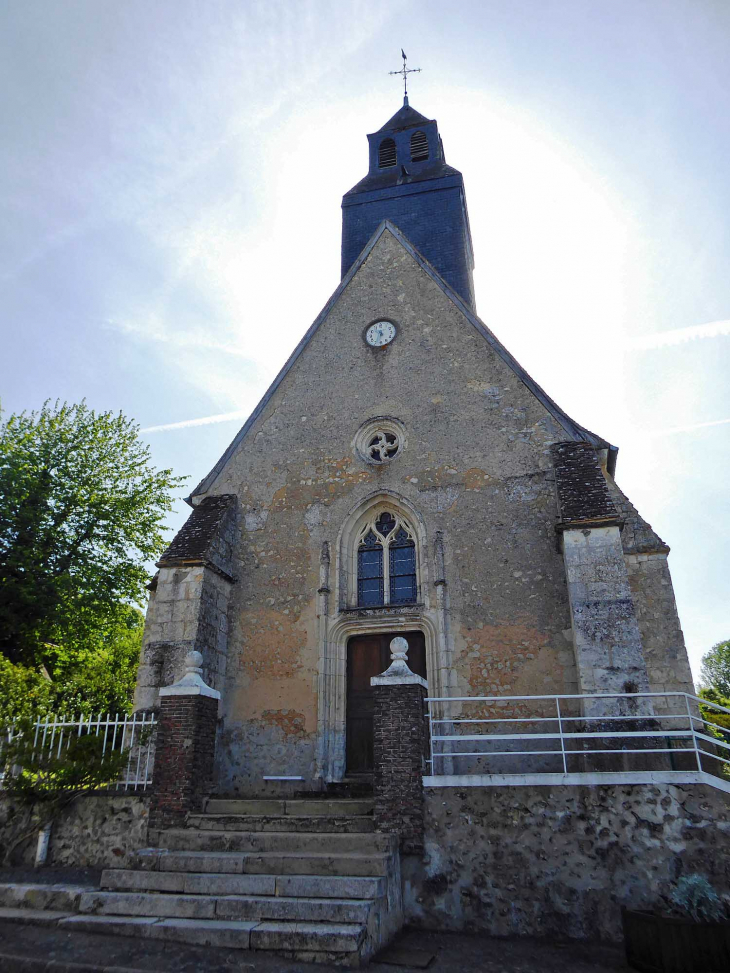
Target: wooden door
{"x": 369, "y": 655}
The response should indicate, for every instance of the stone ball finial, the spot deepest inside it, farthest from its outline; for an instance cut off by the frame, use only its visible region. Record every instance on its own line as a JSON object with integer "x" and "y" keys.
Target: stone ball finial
{"x": 399, "y": 649}
{"x": 194, "y": 662}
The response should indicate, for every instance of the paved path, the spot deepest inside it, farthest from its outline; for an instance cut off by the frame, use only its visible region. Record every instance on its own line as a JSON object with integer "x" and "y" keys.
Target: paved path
{"x": 37, "y": 950}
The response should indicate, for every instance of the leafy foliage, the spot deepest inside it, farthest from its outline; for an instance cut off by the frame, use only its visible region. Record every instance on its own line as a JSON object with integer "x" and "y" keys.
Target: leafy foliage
{"x": 23, "y": 693}
{"x": 694, "y": 897}
{"x": 716, "y": 668}
{"x": 712, "y": 715}
{"x": 46, "y": 781}
{"x": 81, "y": 511}
{"x": 99, "y": 678}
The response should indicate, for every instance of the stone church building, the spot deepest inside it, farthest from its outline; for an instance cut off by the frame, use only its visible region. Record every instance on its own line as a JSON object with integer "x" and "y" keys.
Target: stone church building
{"x": 407, "y": 525}
{"x": 403, "y": 476}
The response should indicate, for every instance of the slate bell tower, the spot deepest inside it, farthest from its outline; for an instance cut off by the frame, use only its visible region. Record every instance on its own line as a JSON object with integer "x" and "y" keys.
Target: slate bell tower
{"x": 410, "y": 184}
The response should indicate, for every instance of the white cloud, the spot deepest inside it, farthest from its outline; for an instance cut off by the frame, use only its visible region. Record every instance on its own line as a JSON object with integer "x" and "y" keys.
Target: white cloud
{"x": 678, "y": 336}
{"x": 204, "y": 421}
{"x": 691, "y": 427}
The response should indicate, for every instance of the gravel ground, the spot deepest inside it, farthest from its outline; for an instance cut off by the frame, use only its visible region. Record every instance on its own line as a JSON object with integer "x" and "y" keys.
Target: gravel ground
{"x": 39, "y": 949}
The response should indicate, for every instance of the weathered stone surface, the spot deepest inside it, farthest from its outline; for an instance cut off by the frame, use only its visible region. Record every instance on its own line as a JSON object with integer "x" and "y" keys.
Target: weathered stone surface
{"x": 188, "y": 608}
{"x": 53, "y": 897}
{"x": 96, "y": 830}
{"x": 475, "y": 480}
{"x": 606, "y": 637}
{"x": 661, "y": 633}
{"x": 330, "y": 886}
{"x": 123, "y": 879}
{"x": 560, "y": 861}
{"x": 343, "y": 937}
{"x": 148, "y": 904}
{"x": 476, "y": 467}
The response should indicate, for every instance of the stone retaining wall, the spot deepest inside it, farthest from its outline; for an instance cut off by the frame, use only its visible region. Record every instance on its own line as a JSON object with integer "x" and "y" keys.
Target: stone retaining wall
{"x": 96, "y": 831}
{"x": 560, "y": 861}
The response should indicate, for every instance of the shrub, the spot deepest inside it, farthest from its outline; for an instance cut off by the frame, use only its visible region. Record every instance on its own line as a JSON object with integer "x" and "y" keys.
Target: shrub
{"x": 696, "y": 899}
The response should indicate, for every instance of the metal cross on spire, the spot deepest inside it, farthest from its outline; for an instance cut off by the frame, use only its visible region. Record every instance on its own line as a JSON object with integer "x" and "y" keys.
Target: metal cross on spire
{"x": 404, "y": 72}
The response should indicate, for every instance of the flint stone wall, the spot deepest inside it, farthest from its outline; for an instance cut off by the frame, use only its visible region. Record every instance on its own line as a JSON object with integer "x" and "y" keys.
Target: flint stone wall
{"x": 96, "y": 831}
{"x": 561, "y": 861}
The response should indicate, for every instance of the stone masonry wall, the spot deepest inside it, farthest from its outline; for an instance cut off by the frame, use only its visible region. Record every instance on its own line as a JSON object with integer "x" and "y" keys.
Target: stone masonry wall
{"x": 608, "y": 649}
{"x": 189, "y": 612}
{"x": 476, "y": 466}
{"x": 661, "y": 632}
{"x": 561, "y": 861}
{"x": 475, "y": 469}
{"x": 96, "y": 831}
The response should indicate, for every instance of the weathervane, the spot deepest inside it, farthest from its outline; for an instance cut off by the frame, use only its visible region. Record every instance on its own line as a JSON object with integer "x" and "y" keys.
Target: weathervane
{"x": 404, "y": 72}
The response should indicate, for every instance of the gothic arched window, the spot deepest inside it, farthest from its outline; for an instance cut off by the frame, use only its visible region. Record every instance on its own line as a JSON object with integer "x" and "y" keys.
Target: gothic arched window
{"x": 386, "y": 154}
{"x": 419, "y": 147}
{"x": 386, "y": 562}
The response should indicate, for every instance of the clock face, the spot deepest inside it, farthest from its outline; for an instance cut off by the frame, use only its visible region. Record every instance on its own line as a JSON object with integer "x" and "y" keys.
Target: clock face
{"x": 380, "y": 333}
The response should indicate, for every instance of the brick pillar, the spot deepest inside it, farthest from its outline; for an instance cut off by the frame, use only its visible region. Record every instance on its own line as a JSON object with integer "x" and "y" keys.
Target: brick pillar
{"x": 399, "y": 748}
{"x": 185, "y": 750}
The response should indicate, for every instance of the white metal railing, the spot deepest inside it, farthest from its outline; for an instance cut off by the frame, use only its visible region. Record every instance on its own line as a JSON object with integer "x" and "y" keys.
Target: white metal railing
{"x": 133, "y": 734}
{"x": 576, "y": 739}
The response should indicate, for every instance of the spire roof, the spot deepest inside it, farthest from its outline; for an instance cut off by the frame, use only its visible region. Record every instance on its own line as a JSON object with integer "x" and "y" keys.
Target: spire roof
{"x": 405, "y": 117}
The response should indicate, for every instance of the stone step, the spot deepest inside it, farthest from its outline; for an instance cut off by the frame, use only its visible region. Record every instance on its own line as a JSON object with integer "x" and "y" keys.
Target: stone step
{"x": 337, "y": 807}
{"x": 228, "y": 934}
{"x": 32, "y": 917}
{"x": 189, "y": 839}
{"x": 262, "y": 863}
{"x": 323, "y": 940}
{"x": 35, "y": 896}
{"x": 287, "y": 908}
{"x": 315, "y": 937}
{"x": 313, "y": 823}
{"x": 211, "y": 883}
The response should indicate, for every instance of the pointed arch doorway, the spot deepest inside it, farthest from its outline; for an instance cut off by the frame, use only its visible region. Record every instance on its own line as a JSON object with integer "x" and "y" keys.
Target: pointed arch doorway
{"x": 369, "y": 655}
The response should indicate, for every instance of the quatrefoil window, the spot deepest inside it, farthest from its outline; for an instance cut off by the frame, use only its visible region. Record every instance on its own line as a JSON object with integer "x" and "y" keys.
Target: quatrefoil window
{"x": 383, "y": 446}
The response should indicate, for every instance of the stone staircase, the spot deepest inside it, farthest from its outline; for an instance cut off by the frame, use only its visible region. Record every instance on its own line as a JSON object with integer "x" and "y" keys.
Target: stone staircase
{"x": 308, "y": 879}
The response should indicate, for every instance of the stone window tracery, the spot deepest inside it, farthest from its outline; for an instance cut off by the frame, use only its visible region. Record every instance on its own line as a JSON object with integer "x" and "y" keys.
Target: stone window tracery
{"x": 380, "y": 440}
{"x": 383, "y": 446}
{"x": 386, "y": 562}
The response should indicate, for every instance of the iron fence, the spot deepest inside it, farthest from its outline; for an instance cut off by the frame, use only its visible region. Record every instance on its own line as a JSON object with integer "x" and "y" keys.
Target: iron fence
{"x": 589, "y": 738}
{"x": 135, "y": 735}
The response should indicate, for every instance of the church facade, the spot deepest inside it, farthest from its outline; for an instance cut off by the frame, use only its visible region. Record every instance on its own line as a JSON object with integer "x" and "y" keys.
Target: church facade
{"x": 403, "y": 476}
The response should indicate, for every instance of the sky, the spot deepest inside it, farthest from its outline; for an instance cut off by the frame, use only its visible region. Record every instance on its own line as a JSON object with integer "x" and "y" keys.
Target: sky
{"x": 171, "y": 184}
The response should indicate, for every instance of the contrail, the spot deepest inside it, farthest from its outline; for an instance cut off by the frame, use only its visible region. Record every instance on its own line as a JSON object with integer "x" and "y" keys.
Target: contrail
{"x": 663, "y": 339}
{"x": 696, "y": 425}
{"x": 206, "y": 420}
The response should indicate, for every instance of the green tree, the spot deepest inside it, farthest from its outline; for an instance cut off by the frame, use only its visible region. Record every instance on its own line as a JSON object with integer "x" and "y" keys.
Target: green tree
{"x": 716, "y": 668}
{"x": 81, "y": 511}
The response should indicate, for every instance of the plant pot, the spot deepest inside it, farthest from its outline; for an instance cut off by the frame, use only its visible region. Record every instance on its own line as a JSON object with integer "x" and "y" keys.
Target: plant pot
{"x": 663, "y": 944}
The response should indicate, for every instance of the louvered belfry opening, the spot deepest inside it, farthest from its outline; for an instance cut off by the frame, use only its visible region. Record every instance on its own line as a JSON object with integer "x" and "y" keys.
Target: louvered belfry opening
{"x": 419, "y": 147}
{"x": 386, "y": 154}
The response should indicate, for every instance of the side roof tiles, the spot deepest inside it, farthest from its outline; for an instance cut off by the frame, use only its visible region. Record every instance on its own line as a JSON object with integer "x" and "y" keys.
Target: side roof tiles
{"x": 583, "y": 494}
{"x": 194, "y": 543}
